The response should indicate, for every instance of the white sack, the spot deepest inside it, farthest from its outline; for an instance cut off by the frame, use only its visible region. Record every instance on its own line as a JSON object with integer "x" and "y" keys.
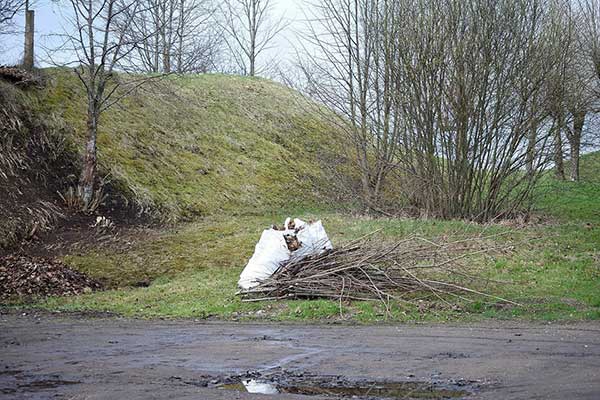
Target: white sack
{"x": 269, "y": 253}
{"x": 271, "y": 250}
{"x": 313, "y": 239}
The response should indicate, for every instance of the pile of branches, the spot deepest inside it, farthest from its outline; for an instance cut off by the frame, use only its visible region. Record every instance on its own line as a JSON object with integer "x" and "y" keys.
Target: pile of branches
{"x": 28, "y": 277}
{"x": 368, "y": 269}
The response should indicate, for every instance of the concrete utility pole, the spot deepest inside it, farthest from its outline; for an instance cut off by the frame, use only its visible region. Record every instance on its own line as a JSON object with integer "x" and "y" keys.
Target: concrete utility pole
{"x": 29, "y": 29}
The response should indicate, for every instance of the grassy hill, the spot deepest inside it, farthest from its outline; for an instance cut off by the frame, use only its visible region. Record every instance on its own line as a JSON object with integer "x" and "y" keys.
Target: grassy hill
{"x": 182, "y": 147}
{"x": 202, "y": 144}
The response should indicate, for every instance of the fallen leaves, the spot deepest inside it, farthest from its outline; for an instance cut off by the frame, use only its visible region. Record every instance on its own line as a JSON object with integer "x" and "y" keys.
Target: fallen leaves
{"x": 24, "y": 276}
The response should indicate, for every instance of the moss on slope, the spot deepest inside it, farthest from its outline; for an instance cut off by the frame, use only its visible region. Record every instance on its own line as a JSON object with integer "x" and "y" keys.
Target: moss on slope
{"x": 206, "y": 144}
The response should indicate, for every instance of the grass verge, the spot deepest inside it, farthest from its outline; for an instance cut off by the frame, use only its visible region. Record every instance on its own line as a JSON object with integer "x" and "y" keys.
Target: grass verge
{"x": 553, "y": 273}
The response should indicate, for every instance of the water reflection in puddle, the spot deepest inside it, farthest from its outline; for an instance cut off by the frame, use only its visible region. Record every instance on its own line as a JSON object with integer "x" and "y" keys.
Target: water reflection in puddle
{"x": 398, "y": 390}
{"x": 254, "y": 386}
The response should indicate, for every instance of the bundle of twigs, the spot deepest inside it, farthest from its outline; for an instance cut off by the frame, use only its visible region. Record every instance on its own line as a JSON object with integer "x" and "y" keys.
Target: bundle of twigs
{"x": 368, "y": 269}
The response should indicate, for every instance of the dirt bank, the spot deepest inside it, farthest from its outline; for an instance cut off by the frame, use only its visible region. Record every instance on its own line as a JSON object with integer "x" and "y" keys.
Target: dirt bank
{"x": 106, "y": 358}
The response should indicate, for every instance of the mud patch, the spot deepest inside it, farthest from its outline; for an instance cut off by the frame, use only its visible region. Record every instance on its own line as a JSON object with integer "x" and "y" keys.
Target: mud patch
{"x": 334, "y": 386}
{"x": 16, "y": 382}
{"x": 46, "y": 384}
{"x": 370, "y": 390}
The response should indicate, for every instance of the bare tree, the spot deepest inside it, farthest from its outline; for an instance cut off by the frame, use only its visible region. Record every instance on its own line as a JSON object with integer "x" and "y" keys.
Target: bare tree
{"x": 562, "y": 22}
{"x": 199, "y": 39}
{"x": 591, "y": 33}
{"x": 173, "y": 35}
{"x": 250, "y": 30}
{"x": 99, "y": 48}
{"x": 580, "y": 101}
{"x": 570, "y": 94}
{"x": 447, "y": 97}
{"x": 590, "y": 45}
{"x": 144, "y": 28}
{"x": 8, "y": 10}
{"x": 350, "y": 66}
{"x": 474, "y": 104}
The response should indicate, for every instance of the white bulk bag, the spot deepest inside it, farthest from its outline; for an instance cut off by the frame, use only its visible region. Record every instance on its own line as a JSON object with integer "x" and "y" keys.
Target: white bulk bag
{"x": 313, "y": 239}
{"x": 271, "y": 250}
{"x": 269, "y": 253}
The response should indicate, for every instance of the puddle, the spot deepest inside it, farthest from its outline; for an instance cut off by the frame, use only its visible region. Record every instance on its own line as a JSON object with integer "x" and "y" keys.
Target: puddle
{"x": 397, "y": 390}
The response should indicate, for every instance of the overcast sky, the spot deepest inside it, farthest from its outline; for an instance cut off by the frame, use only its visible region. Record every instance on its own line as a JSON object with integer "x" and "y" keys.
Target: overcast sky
{"x": 49, "y": 20}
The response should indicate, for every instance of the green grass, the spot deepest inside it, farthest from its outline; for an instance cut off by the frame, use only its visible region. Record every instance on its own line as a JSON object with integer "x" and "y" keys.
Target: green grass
{"x": 553, "y": 272}
{"x": 577, "y": 202}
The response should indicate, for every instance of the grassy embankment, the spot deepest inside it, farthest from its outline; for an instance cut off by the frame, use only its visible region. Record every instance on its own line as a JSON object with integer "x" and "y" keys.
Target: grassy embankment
{"x": 554, "y": 271}
{"x": 184, "y": 147}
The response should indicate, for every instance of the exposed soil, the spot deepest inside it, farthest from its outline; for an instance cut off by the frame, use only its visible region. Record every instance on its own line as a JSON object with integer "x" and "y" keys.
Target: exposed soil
{"x": 34, "y": 269}
{"x": 44, "y": 356}
{"x": 78, "y": 232}
{"x": 37, "y": 168}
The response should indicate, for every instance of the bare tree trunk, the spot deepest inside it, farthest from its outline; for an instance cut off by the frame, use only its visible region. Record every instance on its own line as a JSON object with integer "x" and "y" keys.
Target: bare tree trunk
{"x": 166, "y": 60}
{"x": 166, "y": 48}
{"x": 29, "y": 37}
{"x": 575, "y": 143}
{"x": 253, "y": 30}
{"x": 367, "y": 191}
{"x": 180, "y": 31}
{"x": 559, "y": 167}
{"x": 156, "y": 54}
{"x": 157, "y": 36}
{"x": 531, "y": 150}
{"x": 252, "y": 65}
{"x": 88, "y": 173}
